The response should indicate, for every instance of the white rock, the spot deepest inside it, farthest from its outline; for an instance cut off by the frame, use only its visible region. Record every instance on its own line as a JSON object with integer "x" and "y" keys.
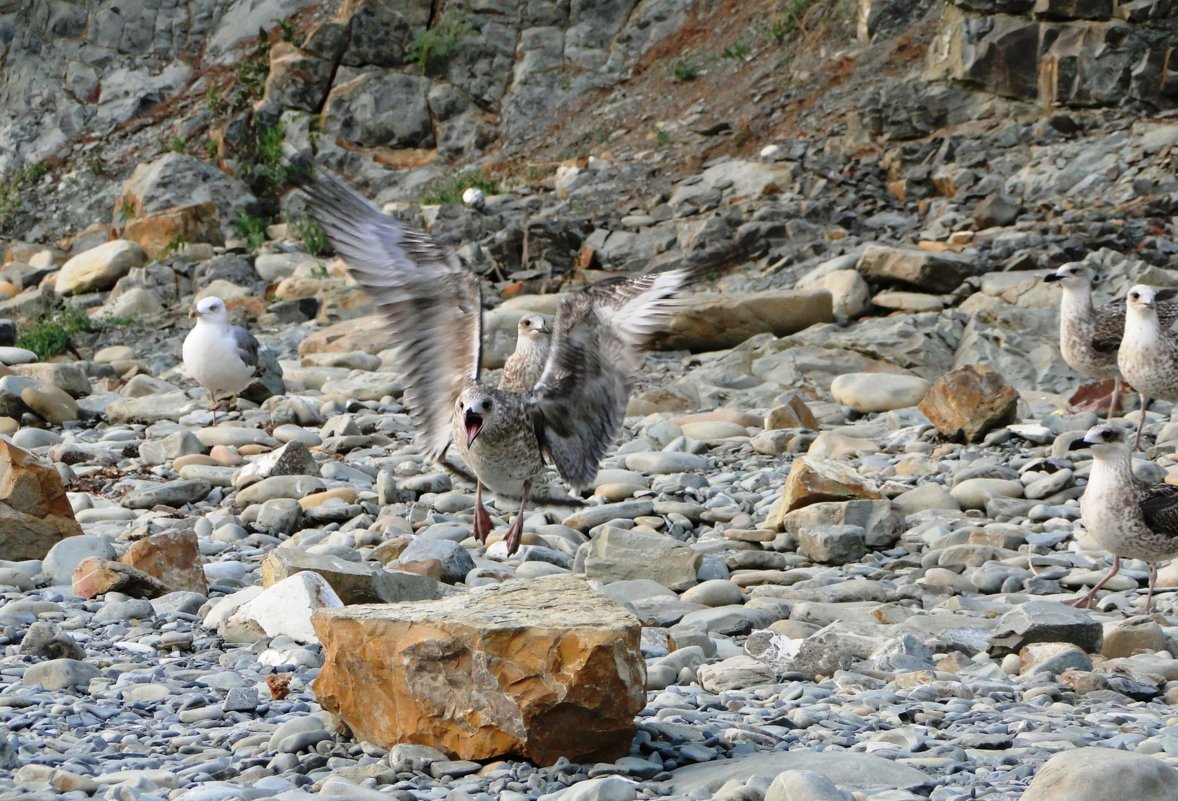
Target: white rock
{"x": 879, "y": 392}
{"x": 99, "y": 268}
{"x": 474, "y": 197}
{"x": 9, "y": 356}
{"x": 849, "y": 293}
{"x": 286, "y": 607}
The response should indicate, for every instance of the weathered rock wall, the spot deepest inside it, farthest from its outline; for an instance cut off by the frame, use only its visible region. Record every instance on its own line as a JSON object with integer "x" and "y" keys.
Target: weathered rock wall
{"x": 1062, "y": 52}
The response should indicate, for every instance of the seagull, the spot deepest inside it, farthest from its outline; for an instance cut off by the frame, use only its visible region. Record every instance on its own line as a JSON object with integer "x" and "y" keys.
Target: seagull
{"x": 433, "y": 306}
{"x": 524, "y": 367}
{"x": 1148, "y": 357}
{"x": 1126, "y": 516}
{"x": 1088, "y": 335}
{"x": 222, "y": 358}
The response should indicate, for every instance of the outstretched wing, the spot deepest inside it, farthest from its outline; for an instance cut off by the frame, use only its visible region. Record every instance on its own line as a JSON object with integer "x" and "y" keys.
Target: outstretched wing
{"x": 433, "y": 305}
{"x": 247, "y": 346}
{"x": 597, "y": 339}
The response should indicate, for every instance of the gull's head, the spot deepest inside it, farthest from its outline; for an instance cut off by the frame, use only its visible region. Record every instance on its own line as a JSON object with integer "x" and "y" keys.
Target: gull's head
{"x": 211, "y": 310}
{"x": 533, "y": 327}
{"x": 477, "y": 409}
{"x": 1142, "y": 299}
{"x": 1104, "y": 439}
{"x": 1073, "y": 275}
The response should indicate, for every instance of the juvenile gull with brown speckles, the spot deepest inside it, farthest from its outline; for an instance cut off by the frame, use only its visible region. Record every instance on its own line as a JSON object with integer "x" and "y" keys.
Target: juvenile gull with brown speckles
{"x": 524, "y": 367}
{"x": 1089, "y": 336}
{"x": 433, "y": 306}
{"x": 1148, "y": 356}
{"x": 1126, "y": 516}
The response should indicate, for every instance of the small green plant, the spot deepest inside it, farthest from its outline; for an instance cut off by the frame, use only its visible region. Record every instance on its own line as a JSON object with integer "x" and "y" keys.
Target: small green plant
{"x": 319, "y": 271}
{"x": 791, "y": 16}
{"x": 54, "y": 331}
{"x": 260, "y": 156}
{"x": 212, "y": 148}
{"x": 449, "y": 189}
{"x": 661, "y": 136}
{"x": 312, "y": 236}
{"x": 35, "y": 172}
{"x": 176, "y": 145}
{"x": 683, "y": 70}
{"x": 126, "y": 209}
{"x": 600, "y": 134}
{"x": 95, "y": 165}
{"x": 433, "y": 47}
{"x": 251, "y": 228}
{"x": 738, "y": 51}
{"x": 286, "y": 29}
{"x": 213, "y": 100}
{"x": 252, "y": 73}
{"x": 176, "y": 243}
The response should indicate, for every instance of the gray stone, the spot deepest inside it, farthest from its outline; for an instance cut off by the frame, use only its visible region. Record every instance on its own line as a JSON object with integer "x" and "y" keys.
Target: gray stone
{"x": 844, "y": 768}
{"x": 60, "y": 674}
{"x": 618, "y": 554}
{"x": 803, "y": 785}
{"x": 63, "y": 557}
{"x": 380, "y": 109}
{"x": 1046, "y": 621}
{"x": 835, "y": 545}
{"x": 45, "y": 641}
{"x": 173, "y": 493}
{"x": 1102, "y": 774}
{"x": 455, "y": 560}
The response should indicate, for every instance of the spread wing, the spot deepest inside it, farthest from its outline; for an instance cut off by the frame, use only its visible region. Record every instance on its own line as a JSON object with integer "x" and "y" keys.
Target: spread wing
{"x": 432, "y": 304}
{"x": 1159, "y": 507}
{"x": 581, "y": 397}
{"x": 247, "y": 346}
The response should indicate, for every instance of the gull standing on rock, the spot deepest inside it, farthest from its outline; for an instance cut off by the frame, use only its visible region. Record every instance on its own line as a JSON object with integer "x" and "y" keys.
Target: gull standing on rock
{"x": 1148, "y": 356}
{"x": 1088, "y": 335}
{"x": 1125, "y": 516}
{"x": 434, "y": 308}
{"x": 524, "y": 367}
{"x": 222, "y": 358}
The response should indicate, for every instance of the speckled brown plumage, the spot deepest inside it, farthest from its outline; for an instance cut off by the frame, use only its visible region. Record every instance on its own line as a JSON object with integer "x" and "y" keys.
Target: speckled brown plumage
{"x": 1089, "y": 335}
{"x": 1125, "y": 516}
{"x": 1148, "y": 356}
{"x": 525, "y": 365}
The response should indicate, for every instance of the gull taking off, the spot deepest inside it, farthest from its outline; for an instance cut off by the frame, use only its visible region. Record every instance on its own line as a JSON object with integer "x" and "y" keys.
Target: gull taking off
{"x": 1125, "y": 516}
{"x": 523, "y": 368}
{"x": 1148, "y": 356}
{"x": 222, "y": 358}
{"x": 434, "y": 310}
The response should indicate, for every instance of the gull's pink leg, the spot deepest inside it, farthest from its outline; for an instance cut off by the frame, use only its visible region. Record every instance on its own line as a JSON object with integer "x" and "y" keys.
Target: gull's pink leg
{"x": 482, "y": 520}
{"x": 1153, "y": 579}
{"x": 516, "y": 531}
{"x": 1085, "y": 600}
{"x": 1140, "y": 423}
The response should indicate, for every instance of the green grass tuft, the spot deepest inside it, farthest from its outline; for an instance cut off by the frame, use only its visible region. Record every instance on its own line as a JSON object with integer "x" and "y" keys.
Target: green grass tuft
{"x": 449, "y": 189}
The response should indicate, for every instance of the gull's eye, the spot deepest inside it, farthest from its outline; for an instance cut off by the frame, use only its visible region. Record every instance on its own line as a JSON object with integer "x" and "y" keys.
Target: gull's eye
{"x": 1134, "y": 296}
{"x": 527, "y": 323}
{"x": 486, "y": 405}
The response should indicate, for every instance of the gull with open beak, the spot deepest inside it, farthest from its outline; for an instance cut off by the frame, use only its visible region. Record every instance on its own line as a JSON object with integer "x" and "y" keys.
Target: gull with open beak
{"x": 433, "y": 306}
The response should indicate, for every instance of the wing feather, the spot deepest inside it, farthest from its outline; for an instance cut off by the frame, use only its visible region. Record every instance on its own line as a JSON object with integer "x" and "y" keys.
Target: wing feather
{"x": 247, "y": 346}
{"x": 1159, "y": 507}
{"x": 432, "y": 304}
{"x": 596, "y": 346}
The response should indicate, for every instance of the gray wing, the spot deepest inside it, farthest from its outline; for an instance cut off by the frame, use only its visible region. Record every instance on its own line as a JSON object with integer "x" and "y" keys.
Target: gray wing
{"x": 1109, "y": 326}
{"x": 247, "y": 346}
{"x": 1159, "y": 507}
{"x": 432, "y": 304}
{"x": 580, "y": 400}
